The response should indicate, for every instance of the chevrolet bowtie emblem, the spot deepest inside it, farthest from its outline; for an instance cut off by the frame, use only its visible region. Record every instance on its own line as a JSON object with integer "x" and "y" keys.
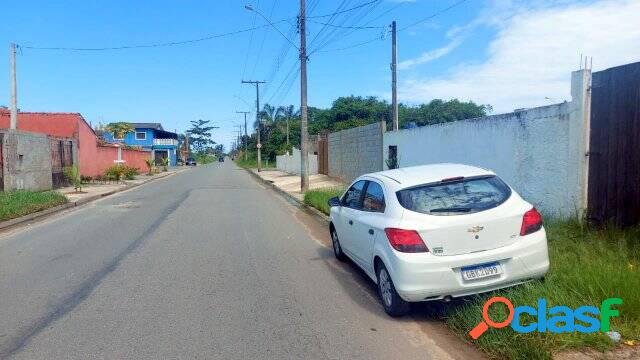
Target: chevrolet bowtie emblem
{"x": 475, "y": 229}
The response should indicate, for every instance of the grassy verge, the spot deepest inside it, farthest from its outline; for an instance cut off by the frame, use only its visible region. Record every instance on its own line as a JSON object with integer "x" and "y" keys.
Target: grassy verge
{"x": 250, "y": 163}
{"x": 587, "y": 267}
{"x": 205, "y": 159}
{"x": 19, "y": 203}
{"x": 318, "y": 198}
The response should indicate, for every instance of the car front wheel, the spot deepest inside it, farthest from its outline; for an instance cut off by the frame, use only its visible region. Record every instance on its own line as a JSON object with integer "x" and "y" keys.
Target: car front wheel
{"x": 337, "y": 249}
{"x": 393, "y": 304}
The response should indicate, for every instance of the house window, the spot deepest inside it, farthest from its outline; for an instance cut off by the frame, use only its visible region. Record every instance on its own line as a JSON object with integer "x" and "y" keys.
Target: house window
{"x": 141, "y": 135}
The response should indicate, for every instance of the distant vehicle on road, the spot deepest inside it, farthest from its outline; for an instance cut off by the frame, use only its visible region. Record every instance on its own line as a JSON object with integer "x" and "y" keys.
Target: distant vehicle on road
{"x": 436, "y": 232}
{"x": 221, "y": 159}
{"x": 190, "y": 162}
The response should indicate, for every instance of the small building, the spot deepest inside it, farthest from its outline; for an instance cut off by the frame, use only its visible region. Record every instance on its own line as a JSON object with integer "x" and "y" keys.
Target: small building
{"x": 150, "y": 137}
{"x": 93, "y": 157}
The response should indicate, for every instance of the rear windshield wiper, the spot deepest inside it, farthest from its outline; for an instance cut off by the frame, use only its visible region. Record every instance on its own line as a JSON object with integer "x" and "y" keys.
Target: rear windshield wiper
{"x": 452, "y": 209}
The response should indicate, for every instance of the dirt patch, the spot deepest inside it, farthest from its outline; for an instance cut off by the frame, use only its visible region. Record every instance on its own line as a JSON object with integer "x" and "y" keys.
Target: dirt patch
{"x": 622, "y": 352}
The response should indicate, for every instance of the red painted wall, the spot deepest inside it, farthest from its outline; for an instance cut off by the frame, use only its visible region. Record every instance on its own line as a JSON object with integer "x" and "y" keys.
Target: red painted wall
{"x": 105, "y": 156}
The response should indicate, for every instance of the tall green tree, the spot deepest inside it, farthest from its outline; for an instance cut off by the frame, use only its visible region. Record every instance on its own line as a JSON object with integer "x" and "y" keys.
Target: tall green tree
{"x": 287, "y": 113}
{"x": 119, "y": 129}
{"x": 200, "y": 135}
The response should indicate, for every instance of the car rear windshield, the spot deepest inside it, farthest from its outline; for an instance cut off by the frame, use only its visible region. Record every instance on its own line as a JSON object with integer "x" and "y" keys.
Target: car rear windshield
{"x": 455, "y": 197}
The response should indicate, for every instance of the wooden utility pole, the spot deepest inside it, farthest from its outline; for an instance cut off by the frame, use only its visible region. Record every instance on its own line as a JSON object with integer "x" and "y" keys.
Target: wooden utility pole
{"x": 14, "y": 91}
{"x": 304, "y": 135}
{"x": 394, "y": 78}
{"x": 246, "y": 138}
{"x": 259, "y": 145}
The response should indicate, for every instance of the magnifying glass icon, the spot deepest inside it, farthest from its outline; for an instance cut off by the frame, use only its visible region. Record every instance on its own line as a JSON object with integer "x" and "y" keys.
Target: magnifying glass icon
{"x": 484, "y": 325}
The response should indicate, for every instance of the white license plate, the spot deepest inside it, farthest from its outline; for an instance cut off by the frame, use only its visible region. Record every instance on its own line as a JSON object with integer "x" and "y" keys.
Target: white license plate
{"x": 481, "y": 271}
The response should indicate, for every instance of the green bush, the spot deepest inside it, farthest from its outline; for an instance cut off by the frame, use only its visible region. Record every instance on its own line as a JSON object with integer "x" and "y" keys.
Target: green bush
{"x": 319, "y": 198}
{"x": 130, "y": 172}
{"x": 72, "y": 173}
{"x": 118, "y": 172}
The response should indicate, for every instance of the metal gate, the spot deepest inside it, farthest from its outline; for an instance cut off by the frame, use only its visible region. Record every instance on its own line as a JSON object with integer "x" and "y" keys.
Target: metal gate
{"x": 614, "y": 154}
{"x": 323, "y": 154}
{"x": 61, "y": 157}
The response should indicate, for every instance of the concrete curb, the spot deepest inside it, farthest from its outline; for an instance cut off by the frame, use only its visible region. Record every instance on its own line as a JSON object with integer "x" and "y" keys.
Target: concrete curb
{"x": 309, "y": 209}
{"x": 56, "y": 209}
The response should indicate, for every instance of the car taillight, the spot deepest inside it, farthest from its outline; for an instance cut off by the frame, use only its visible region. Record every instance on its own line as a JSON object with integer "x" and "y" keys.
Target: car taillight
{"x": 531, "y": 222}
{"x": 405, "y": 240}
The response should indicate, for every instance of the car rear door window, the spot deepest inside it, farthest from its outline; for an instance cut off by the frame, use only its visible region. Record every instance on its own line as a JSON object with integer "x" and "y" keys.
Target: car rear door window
{"x": 373, "y": 198}
{"x": 464, "y": 196}
{"x": 353, "y": 197}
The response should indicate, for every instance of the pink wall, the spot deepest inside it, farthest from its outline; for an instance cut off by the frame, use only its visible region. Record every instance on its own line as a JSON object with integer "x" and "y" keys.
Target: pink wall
{"x": 88, "y": 151}
{"x": 105, "y": 156}
{"x": 136, "y": 158}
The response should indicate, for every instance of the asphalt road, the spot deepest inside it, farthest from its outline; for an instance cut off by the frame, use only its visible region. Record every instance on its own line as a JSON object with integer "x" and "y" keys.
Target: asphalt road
{"x": 205, "y": 264}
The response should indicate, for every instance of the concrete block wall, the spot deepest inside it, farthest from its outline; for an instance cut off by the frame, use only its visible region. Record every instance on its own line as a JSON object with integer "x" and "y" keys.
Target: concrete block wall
{"x": 540, "y": 151}
{"x": 291, "y": 163}
{"x": 356, "y": 151}
{"x": 26, "y": 161}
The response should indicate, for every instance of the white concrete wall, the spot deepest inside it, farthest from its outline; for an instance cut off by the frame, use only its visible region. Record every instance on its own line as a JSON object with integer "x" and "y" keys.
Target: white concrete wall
{"x": 540, "y": 151}
{"x": 291, "y": 163}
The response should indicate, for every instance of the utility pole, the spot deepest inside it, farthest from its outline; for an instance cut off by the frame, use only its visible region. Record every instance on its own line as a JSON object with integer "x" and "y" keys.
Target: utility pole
{"x": 14, "y": 91}
{"x": 304, "y": 135}
{"x": 394, "y": 77}
{"x": 186, "y": 139}
{"x": 246, "y": 140}
{"x": 239, "y": 137}
{"x": 259, "y": 145}
{"x": 287, "y": 132}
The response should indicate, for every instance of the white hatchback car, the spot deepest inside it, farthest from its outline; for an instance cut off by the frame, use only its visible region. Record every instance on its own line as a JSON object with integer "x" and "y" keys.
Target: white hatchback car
{"x": 439, "y": 231}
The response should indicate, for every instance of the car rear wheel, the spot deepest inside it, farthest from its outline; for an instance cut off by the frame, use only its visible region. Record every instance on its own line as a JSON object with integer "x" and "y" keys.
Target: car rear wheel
{"x": 393, "y": 304}
{"x": 337, "y": 249}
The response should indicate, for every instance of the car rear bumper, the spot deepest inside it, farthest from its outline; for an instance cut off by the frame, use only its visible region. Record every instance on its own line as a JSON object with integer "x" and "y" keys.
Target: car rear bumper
{"x": 424, "y": 276}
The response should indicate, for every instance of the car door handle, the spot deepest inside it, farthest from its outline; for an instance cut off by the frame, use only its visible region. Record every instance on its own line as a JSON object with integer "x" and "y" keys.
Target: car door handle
{"x": 370, "y": 231}
{"x": 350, "y": 222}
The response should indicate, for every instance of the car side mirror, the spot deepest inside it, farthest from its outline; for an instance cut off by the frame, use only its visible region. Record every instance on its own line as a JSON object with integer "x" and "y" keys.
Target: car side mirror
{"x": 334, "y": 201}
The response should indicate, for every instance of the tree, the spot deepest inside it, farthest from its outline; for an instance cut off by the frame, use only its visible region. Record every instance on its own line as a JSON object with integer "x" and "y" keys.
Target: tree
{"x": 119, "y": 129}
{"x": 348, "y": 112}
{"x": 287, "y": 112}
{"x": 267, "y": 115}
{"x": 200, "y": 135}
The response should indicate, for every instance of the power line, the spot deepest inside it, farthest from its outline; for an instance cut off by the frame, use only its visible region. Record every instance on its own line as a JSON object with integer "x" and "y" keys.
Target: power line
{"x": 347, "y": 27}
{"x": 264, "y": 35}
{"x": 153, "y": 45}
{"x": 438, "y": 13}
{"x": 350, "y": 46}
{"x": 338, "y": 33}
{"x": 337, "y": 12}
{"x": 433, "y": 15}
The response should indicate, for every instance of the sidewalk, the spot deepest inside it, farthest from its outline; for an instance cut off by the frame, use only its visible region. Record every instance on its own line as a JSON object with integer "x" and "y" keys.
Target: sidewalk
{"x": 291, "y": 183}
{"x": 92, "y": 191}
{"x": 89, "y": 193}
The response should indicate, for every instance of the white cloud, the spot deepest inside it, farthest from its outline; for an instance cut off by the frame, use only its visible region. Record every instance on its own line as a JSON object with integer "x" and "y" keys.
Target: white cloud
{"x": 533, "y": 53}
{"x": 430, "y": 55}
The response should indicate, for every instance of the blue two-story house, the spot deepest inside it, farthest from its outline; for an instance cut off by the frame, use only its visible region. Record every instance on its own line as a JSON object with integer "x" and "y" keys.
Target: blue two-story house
{"x": 151, "y": 137}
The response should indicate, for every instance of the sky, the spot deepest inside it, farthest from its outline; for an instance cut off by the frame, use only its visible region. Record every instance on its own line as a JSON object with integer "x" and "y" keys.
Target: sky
{"x": 509, "y": 54}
